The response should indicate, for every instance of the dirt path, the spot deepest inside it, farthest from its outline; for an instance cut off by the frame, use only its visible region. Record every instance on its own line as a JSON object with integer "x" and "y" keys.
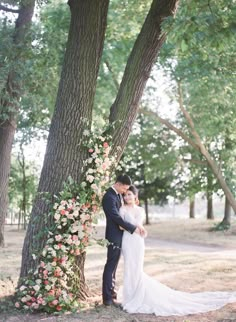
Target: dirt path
{"x": 152, "y": 242}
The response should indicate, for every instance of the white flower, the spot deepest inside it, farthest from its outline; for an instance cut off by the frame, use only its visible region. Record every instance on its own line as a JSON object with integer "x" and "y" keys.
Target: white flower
{"x": 54, "y": 254}
{"x": 57, "y": 216}
{"x": 94, "y": 186}
{"x": 101, "y": 138}
{"x": 90, "y": 160}
{"x": 97, "y": 151}
{"x": 55, "y": 205}
{"x": 86, "y": 133}
{"x": 58, "y": 237}
{"x": 54, "y": 264}
{"x": 98, "y": 161}
{"x": 83, "y": 184}
{"x": 38, "y": 281}
{"x": 70, "y": 216}
{"x": 34, "y": 256}
{"x": 90, "y": 178}
{"x": 94, "y": 155}
{"x": 76, "y": 213}
{"x": 22, "y": 288}
{"x": 56, "y": 247}
{"x": 36, "y": 288}
{"x": 90, "y": 171}
{"x": 48, "y": 287}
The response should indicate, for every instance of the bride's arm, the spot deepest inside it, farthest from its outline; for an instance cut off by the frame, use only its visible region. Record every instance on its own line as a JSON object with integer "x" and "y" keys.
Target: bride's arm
{"x": 140, "y": 220}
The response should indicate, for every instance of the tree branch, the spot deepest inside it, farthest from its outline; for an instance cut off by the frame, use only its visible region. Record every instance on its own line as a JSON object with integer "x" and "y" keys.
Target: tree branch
{"x": 124, "y": 110}
{"x": 171, "y": 127}
{"x": 6, "y": 9}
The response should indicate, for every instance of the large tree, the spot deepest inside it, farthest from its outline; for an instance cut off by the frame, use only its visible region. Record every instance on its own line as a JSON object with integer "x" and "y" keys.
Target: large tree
{"x": 12, "y": 67}
{"x": 75, "y": 100}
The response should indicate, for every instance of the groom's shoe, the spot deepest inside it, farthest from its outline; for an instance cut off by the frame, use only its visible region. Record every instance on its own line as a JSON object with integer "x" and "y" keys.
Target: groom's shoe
{"x": 112, "y": 304}
{"x": 114, "y": 295}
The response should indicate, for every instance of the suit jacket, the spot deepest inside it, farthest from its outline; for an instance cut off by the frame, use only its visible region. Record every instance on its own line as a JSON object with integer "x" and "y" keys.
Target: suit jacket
{"x": 111, "y": 204}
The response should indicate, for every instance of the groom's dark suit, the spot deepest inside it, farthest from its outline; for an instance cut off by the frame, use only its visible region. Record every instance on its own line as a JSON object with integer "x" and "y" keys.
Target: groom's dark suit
{"x": 111, "y": 204}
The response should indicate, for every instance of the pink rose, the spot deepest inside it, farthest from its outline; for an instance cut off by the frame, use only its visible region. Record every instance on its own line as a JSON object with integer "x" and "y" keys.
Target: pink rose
{"x": 42, "y": 264}
{"x": 55, "y": 302}
{"x": 105, "y": 145}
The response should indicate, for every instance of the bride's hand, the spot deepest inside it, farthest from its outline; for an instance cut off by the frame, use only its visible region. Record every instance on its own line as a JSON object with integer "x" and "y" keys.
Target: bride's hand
{"x": 145, "y": 233}
{"x": 121, "y": 228}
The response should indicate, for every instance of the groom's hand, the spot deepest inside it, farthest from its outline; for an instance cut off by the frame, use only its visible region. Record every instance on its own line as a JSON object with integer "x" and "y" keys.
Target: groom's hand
{"x": 141, "y": 231}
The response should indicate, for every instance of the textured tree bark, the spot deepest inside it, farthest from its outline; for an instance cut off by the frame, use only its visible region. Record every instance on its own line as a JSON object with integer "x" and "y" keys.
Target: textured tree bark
{"x": 143, "y": 56}
{"x": 210, "y": 213}
{"x": 73, "y": 113}
{"x": 227, "y": 213}
{"x": 9, "y": 99}
{"x": 192, "y": 207}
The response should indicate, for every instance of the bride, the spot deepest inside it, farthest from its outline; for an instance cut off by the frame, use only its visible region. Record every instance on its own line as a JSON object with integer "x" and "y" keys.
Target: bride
{"x": 143, "y": 294}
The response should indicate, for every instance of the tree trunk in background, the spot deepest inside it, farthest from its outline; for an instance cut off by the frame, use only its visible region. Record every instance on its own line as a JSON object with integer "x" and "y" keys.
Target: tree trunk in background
{"x": 202, "y": 149}
{"x": 141, "y": 60}
{"x": 192, "y": 207}
{"x": 64, "y": 154}
{"x": 146, "y": 210}
{"x": 9, "y": 105}
{"x": 227, "y": 214}
{"x": 210, "y": 214}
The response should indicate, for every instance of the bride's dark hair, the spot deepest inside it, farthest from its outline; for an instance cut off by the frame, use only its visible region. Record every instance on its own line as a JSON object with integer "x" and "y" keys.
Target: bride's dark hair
{"x": 133, "y": 189}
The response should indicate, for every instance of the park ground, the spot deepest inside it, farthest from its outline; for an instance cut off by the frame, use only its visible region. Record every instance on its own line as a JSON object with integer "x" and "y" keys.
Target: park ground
{"x": 181, "y": 253}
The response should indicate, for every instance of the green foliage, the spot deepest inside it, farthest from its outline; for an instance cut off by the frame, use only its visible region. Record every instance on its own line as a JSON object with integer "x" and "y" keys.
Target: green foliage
{"x": 199, "y": 54}
{"x": 150, "y": 159}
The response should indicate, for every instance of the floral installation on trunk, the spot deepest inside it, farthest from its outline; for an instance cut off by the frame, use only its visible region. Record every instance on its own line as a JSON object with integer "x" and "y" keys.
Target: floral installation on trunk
{"x": 54, "y": 285}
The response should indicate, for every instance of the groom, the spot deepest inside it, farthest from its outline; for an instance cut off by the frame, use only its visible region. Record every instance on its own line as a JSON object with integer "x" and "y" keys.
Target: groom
{"x": 111, "y": 203}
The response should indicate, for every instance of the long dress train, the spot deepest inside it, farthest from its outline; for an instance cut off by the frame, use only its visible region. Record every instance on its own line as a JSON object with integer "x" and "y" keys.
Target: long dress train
{"x": 141, "y": 293}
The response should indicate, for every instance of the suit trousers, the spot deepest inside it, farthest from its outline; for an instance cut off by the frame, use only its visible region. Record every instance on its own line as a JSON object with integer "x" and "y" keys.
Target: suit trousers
{"x": 108, "y": 285}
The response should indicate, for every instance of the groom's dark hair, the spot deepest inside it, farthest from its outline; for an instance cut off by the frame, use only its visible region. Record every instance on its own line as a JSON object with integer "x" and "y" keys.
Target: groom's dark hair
{"x": 124, "y": 179}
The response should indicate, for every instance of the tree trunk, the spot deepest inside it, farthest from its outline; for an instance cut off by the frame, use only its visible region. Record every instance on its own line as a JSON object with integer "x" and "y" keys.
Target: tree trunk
{"x": 137, "y": 71}
{"x": 192, "y": 207}
{"x": 210, "y": 214}
{"x": 24, "y": 185}
{"x": 214, "y": 167}
{"x": 227, "y": 214}
{"x": 146, "y": 210}
{"x": 73, "y": 113}
{"x": 6, "y": 138}
{"x": 9, "y": 99}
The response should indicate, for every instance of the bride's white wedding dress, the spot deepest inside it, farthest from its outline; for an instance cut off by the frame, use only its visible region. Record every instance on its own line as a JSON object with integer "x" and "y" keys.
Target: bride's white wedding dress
{"x": 143, "y": 294}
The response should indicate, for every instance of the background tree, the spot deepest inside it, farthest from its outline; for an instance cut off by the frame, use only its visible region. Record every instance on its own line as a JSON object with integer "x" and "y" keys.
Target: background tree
{"x": 12, "y": 68}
